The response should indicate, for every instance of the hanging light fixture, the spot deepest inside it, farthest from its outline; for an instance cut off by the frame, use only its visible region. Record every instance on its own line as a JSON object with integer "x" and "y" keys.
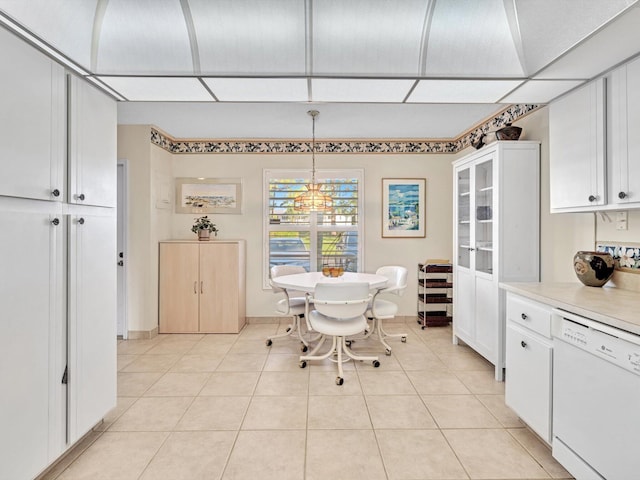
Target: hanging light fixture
{"x": 313, "y": 200}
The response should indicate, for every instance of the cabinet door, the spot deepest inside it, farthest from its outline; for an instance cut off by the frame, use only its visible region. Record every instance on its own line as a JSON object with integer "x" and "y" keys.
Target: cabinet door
{"x": 32, "y": 123}
{"x": 577, "y": 149}
{"x": 528, "y": 382}
{"x": 487, "y": 321}
{"x": 179, "y": 288}
{"x": 219, "y": 280}
{"x": 92, "y": 320}
{"x": 30, "y": 374}
{"x": 463, "y": 306}
{"x": 92, "y": 146}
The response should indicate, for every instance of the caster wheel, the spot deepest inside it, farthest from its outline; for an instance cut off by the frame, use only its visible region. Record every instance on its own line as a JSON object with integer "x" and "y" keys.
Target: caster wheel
{"x": 339, "y": 381}
{"x": 376, "y": 363}
{"x": 348, "y": 343}
{"x": 288, "y": 329}
{"x": 387, "y": 352}
{"x": 303, "y": 364}
{"x": 304, "y": 348}
{"x": 403, "y": 339}
{"x": 269, "y": 342}
{"x": 422, "y": 327}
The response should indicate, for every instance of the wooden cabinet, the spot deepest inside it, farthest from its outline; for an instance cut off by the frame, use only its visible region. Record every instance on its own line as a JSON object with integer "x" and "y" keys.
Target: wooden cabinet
{"x": 202, "y": 287}
{"x": 32, "y": 123}
{"x": 577, "y": 150}
{"x": 497, "y": 228}
{"x": 435, "y": 287}
{"x": 529, "y": 363}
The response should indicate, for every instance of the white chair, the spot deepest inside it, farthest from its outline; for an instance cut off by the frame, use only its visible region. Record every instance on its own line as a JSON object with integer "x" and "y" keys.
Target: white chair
{"x": 338, "y": 312}
{"x": 380, "y": 309}
{"x": 292, "y": 305}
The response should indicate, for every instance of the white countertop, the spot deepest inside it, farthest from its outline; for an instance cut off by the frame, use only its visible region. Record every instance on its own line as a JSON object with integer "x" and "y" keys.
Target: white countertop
{"x": 609, "y": 305}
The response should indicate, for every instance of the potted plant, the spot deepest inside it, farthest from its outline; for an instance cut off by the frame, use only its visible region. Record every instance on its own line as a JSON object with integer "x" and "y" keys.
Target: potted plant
{"x": 204, "y": 227}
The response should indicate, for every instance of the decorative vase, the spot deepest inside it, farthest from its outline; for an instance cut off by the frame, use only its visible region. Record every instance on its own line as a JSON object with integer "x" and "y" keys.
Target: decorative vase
{"x": 593, "y": 269}
{"x": 204, "y": 234}
{"x": 509, "y": 132}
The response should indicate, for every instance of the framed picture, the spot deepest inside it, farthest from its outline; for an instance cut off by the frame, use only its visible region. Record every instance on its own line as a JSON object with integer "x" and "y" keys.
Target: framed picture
{"x": 403, "y": 207}
{"x": 208, "y": 195}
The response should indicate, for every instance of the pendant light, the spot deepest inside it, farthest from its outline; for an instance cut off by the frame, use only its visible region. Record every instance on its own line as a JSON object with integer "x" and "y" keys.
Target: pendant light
{"x": 313, "y": 200}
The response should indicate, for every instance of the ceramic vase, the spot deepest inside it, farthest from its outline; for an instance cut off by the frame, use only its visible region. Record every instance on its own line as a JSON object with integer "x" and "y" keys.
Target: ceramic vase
{"x": 204, "y": 234}
{"x": 594, "y": 269}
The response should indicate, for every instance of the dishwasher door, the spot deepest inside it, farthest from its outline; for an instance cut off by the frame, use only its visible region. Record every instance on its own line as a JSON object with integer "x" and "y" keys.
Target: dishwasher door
{"x": 596, "y": 414}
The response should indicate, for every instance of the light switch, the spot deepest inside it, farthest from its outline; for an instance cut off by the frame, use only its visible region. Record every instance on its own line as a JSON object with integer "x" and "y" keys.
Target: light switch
{"x": 621, "y": 220}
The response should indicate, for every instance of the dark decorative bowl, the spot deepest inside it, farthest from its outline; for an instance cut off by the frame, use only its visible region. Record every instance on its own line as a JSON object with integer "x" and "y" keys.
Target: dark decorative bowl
{"x": 509, "y": 133}
{"x": 594, "y": 269}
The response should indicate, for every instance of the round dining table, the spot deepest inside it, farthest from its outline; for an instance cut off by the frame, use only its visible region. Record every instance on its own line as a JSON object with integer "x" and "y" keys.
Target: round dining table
{"x": 306, "y": 282}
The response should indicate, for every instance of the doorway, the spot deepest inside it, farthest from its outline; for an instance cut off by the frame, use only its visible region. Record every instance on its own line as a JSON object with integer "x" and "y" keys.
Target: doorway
{"x": 122, "y": 323}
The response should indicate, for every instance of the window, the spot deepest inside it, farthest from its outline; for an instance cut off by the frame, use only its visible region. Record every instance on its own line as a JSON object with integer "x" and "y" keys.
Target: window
{"x": 313, "y": 239}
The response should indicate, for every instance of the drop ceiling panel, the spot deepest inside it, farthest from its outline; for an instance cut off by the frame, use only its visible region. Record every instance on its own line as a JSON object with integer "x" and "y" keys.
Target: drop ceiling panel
{"x": 144, "y": 37}
{"x": 471, "y": 39}
{"x": 368, "y": 37}
{"x": 461, "y": 91}
{"x": 359, "y": 90}
{"x": 540, "y": 91}
{"x": 65, "y": 25}
{"x": 249, "y": 37}
{"x": 259, "y": 89}
{"x": 159, "y": 89}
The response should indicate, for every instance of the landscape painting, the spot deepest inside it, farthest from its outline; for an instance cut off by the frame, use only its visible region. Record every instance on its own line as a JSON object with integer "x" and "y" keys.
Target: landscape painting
{"x": 208, "y": 195}
{"x": 403, "y": 207}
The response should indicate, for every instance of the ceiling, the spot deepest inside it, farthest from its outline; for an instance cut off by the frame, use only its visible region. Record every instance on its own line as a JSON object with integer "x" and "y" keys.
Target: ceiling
{"x": 374, "y": 68}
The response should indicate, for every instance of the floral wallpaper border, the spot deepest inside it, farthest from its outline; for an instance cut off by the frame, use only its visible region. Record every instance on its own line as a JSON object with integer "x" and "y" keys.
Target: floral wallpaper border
{"x": 625, "y": 256}
{"x": 508, "y": 115}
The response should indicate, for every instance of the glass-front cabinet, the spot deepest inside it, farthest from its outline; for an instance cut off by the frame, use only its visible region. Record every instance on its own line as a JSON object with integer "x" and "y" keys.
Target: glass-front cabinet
{"x": 483, "y": 225}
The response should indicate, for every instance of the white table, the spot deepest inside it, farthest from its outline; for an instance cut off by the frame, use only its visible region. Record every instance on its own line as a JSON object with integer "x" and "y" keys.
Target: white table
{"x": 306, "y": 282}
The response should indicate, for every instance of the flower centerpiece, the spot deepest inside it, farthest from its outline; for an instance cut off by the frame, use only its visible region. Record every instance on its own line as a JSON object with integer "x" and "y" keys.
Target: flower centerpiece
{"x": 204, "y": 227}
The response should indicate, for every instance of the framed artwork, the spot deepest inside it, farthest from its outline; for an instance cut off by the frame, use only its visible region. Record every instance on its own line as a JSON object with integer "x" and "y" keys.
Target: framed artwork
{"x": 403, "y": 207}
{"x": 208, "y": 195}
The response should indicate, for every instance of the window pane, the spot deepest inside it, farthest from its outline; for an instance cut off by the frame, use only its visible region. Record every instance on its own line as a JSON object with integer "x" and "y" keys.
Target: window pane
{"x": 289, "y": 248}
{"x": 338, "y": 249}
{"x": 282, "y": 192}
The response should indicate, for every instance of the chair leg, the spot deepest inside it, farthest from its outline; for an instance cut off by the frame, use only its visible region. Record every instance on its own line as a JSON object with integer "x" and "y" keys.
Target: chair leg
{"x": 361, "y": 358}
{"x": 382, "y": 334}
{"x": 312, "y": 356}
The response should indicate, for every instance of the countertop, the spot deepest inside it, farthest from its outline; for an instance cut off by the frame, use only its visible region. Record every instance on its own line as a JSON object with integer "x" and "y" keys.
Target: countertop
{"x": 609, "y": 305}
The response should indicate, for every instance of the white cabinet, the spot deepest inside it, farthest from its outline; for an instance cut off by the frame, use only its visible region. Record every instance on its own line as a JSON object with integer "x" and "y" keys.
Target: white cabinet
{"x": 529, "y": 363}
{"x": 577, "y": 150}
{"x": 32, "y": 123}
{"x": 496, "y": 207}
{"x": 92, "y": 145}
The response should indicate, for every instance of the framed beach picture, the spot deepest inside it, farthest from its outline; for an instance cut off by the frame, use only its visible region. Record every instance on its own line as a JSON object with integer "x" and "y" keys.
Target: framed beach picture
{"x": 208, "y": 195}
{"x": 403, "y": 207}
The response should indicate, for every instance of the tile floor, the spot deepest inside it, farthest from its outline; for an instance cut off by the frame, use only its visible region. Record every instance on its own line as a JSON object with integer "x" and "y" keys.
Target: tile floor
{"x": 228, "y": 407}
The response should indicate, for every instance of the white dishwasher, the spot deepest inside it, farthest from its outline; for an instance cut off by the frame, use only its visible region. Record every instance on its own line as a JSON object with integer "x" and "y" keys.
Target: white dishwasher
{"x": 596, "y": 399}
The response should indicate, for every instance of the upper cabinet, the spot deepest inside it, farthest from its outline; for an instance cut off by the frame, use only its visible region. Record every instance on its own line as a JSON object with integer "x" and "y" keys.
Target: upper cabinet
{"x": 577, "y": 150}
{"x": 32, "y": 123}
{"x": 92, "y": 145}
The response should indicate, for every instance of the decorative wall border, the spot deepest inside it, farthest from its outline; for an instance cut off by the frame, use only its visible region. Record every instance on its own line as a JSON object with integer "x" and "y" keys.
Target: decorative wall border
{"x": 508, "y": 115}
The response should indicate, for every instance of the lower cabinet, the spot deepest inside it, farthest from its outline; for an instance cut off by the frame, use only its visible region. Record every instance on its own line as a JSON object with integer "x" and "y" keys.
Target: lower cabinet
{"x": 529, "y": 363}
{"x": 202, "y": 286}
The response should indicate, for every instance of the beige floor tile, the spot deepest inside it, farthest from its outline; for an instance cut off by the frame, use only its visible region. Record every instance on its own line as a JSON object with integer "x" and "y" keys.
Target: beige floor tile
{"x": 343, "y": 455}
{"x": 506, "y": 416}
{"x": 111, "y": 458}
{"x": 267, "y": 455}
{"x": 437, "y": 382}
{"x": 124, "y": 360}
{"x": 388, "y": 363}
{"x": 465, "y": 362}
{"x": 483, "y": 382}
{"x": 152, "y": 363}
{"x": 178, "y": 384}
{"x": 329, "y": 365}
{"x": 324, "y": 383}
{"x": 459, "y": 411}
{"x": 152, "y": 414}
{"x": 338, "y": 412}
{"x": 380, "y": 382}
{"x": 418, "y": 454}
{"x": 181, "y": 337}
{"x": 231, "y": 383}
{"x": 219, "y": 339}
{"x": 214, "y": 413}
{"x": 191, "y": 456}
{"x": 493, "y": 454}
{"x": 540, "y": 451}
{"x": 205, "y": 347}
{"x": 276, "y": 413}
{"x": 172, "y": 347}
{"x": 294, "y": 383}
{"x": 278, "y": 362}
{"x": 258, "y": 331}
{"x": 398, "y": 411}
{"x": 428, "y": 362}
{"x": 135, "y": 384}
{"x": 136, "y": 347}
{"x": 200, "y": 362}
{"x": 242, "y": 362}
{"x": 287, "y": 345}
{"x": 122, "y": 405}
{"x": 71, "y": 456}
{"x": 249, "y": 346}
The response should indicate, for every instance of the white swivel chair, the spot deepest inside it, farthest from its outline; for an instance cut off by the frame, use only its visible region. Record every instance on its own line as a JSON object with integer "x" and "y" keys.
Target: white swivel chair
{"x": 338, "y": 312}
{"x": 380, "y": 309}
{"x": 293, "y": 304}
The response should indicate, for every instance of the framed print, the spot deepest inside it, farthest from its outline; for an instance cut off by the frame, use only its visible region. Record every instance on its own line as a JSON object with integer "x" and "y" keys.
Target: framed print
{"x": 208, "y": 195}
{"x": 403, "y": 207}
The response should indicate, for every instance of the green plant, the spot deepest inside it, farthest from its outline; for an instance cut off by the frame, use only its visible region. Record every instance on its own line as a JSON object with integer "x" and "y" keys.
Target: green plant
{"x": 203, "y": 223}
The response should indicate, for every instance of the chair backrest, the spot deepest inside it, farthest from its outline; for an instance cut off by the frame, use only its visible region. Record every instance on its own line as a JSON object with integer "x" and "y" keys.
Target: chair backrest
{"x": 280, "y": 270}
{"x": 341, "y": 300}
{"x": 397, "y": 279}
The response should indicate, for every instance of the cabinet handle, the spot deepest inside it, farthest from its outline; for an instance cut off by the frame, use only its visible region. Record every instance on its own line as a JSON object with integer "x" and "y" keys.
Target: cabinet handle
{"x": 55, "y": 192}
{"x": 55, "y": 221}
{"x": 81, "y": 221}
{"x": 471, "y": 249}
{"x": 195, "y": 287}
{"x": 622, "y": 195}
{"x": 523, "y": 316}
{"x": 523, "y": 344}
{"x": 80, "y": 197}
{"x": 201, "y": 287}
{"x": 592, "y": 198}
